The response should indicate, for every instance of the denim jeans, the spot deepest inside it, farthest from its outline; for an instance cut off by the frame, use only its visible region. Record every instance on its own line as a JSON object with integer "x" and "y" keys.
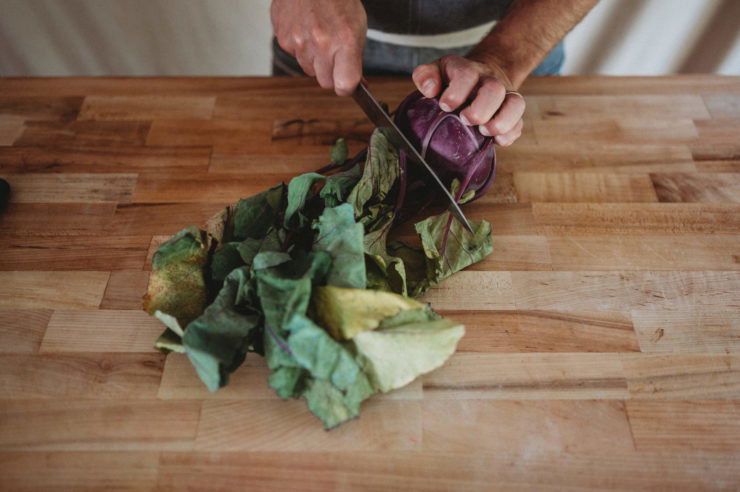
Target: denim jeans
{"x": 390, "y": 59}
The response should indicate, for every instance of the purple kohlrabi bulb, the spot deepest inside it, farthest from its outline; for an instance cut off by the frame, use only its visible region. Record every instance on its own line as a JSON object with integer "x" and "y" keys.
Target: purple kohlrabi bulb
{"x": 452, "y": 149}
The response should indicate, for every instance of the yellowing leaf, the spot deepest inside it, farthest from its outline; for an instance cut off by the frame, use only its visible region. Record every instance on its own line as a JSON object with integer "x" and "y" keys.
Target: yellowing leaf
{"x": 395, "y": 357}
{"x": 347, "y": 312}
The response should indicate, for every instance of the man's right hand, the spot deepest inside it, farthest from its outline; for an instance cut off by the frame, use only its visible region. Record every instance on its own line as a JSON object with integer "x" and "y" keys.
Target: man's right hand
{"x": 326, "y": 37}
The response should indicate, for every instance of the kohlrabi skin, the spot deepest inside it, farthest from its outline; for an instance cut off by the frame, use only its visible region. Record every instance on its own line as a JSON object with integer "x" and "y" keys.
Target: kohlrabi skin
{"x": 453, "y": 149}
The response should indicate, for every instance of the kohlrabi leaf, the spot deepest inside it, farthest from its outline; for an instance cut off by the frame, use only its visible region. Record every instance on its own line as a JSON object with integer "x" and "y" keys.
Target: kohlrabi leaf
{"x": 304, "y": 359}
{"x": 300, "y": 190}
{"x": 226, "y": 259}
{"x": 338, "y": 186}
{"x": 394, "y": 357}
{"x": 347, "y": 312}
{"x": 169, "y": 341}
{"x": 253, "y": 216}
{"x": 339, "y": 151}
{"x": 341, "y": 237}
{"x": 373, "y": 198}
{"x": 449, "y": 247}
{"x": 284, "y": 287}
{"x": 217, "y": 341}
{"x": 177, "y": 284}
{"x": 332, "y": 368}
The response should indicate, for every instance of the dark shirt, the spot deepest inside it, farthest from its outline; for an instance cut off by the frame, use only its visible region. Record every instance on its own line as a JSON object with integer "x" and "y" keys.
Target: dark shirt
{"x": 431, "y": 16}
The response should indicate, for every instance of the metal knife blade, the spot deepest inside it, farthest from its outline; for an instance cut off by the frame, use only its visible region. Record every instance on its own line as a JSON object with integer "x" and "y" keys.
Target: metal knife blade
{"x": 372, "y": 108}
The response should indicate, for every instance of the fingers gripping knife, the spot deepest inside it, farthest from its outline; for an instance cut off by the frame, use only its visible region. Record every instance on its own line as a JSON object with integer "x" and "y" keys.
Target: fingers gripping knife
{"x": 383, "y": 121}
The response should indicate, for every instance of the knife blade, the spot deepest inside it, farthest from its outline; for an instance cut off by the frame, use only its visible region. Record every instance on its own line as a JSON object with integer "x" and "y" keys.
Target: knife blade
{"x": 375, "y": 112}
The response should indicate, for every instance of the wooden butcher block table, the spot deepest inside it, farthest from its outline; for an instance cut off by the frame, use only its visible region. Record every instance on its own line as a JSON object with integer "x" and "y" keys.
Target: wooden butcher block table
{"x": 603, "y": 333}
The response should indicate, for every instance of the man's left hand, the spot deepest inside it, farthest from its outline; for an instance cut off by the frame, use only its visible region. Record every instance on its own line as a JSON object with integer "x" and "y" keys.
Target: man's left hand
{"x": 494, "y": 106}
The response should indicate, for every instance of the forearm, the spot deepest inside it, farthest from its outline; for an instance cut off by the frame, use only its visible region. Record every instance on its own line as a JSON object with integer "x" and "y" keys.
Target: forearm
{"x": 526, "y": 34}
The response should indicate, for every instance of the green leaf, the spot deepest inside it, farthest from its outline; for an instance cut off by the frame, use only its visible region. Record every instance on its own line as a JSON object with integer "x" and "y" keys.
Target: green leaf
{"x": 388, "y": 272}
{"x": 253, "y": 216}
{"x": 341, "y": 237}
{"x": 284, "y": 287}
{"x": 373, "y": 198}
{"x": 300, "y": 190}
{"x": 169, "y": 341}
{"x": 337, "y": 385}
{"x": 177, "y": 284}
{"x": 396, "y": 356}
{"x": 288, "y": 382}
{"x": 449, "y": 247}
{"x": 217, "y": 341}
{"x": 225, "y": 260}
{"x": 337, "y": 187}
{"x": 339, "y": 151}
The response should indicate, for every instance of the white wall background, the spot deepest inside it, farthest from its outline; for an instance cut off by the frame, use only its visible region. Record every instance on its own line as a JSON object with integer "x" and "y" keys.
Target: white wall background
{"x": 231, "y": 37}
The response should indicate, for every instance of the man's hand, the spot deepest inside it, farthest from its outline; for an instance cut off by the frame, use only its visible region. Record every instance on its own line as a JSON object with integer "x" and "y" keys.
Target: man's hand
{"x": 494, "y": 108}
{"x": 326, "y": 37}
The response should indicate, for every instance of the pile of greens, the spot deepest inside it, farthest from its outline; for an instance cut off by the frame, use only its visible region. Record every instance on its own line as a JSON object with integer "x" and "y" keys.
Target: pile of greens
{"x": 305, "y": 275}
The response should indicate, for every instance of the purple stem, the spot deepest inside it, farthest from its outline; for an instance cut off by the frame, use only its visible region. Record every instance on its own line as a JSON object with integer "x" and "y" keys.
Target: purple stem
{"x": 343, "y": 166}
{"x": 277, "y": 339}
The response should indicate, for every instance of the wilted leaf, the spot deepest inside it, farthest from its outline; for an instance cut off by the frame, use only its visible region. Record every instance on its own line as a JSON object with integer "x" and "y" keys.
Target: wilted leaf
{"x": 177, "y": 285}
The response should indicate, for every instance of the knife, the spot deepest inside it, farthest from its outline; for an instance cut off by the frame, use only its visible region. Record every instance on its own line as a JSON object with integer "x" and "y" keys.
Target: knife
{"x": 372, "y": 108}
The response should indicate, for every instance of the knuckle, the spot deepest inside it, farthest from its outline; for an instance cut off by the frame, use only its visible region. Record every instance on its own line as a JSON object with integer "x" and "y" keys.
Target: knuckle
{"x": 320, "y": 38}
{"x": 496, "y": 89}
{"x": 467, "y": 73}
{"x": 298, "y": 42}
{"x": 454, "y": 100}
{"x": 346, "y": 35}
{"x": 498, "y": 127}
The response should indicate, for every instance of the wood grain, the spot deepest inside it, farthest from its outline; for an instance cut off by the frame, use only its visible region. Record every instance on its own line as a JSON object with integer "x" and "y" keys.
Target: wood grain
{"x": 125, "y": 290}
{"x": 248, "y": 425}
{"x": 86, "y": 133}
{"x": 146, "y": 107}
{"x": 97, "y": 424}
{"x": 685, "y": 331}
{"x": 669, "y": 107}
{"x": 52, "y": 290}
{"x": 700, "y": 188}
{"x": 56, "y": 219}
{"x": 586, "y": 187}
{"x": 527, "y": 376}
{"x": 632, "y": 130}
{"x": 444, "y": 471}
{"x": 104, "y": 159}
{"x": 617, "y": 291}
{"x": 72, "y": 252}
{"x": 79, "y": 470}
{"x": 485, "y": 291}
{"x": 88, "y": 375}
{"x": 647, "y": 252}
{"x": 632, "y": 218}
{"x": 11, "y": 128}
{"x": 72, "y": 188}
{"x": 101, "y": 331}
{"x": 21, "y": 330}
{"x": 596, "y": 158}
{"x": 517, "y": 253}
{"x": 466, "y": 426}
{"x": 690, "y": 425}
{"x": 700, "y": 377}
{"x": 545, "y": 331}
{"x": 602, "y": 336}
